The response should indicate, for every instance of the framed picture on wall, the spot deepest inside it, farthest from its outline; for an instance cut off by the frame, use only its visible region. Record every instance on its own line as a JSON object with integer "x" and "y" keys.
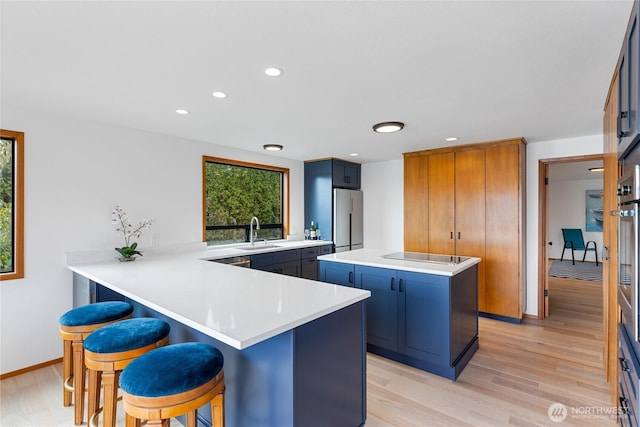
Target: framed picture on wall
{"x": 593, "y": 210}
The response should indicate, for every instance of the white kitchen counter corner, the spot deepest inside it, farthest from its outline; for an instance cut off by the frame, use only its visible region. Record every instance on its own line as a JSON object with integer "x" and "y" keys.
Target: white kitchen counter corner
{"x": 238, "y": 306}
{"x": 375, "y": 258}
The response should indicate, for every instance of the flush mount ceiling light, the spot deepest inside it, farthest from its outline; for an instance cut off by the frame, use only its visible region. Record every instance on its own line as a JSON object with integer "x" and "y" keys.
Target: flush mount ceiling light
{"x": 273, "y": 72}
{"x": 451, "y": 139}
{"x": 219, "y": 95}
{"x": 272, "y": 147}
{"x": 354, "y": 154}
{"x": 182, "y": 112}
{"x": 598, "y": 169}
{"x": 388, "y": 127}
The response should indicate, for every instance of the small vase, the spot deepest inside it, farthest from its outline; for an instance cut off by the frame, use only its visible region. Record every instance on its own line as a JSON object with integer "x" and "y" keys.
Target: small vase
{"x": 126, "y": 259}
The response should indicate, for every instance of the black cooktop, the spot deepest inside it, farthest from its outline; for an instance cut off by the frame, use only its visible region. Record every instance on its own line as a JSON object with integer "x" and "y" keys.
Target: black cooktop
{"x": 424, "y": 257}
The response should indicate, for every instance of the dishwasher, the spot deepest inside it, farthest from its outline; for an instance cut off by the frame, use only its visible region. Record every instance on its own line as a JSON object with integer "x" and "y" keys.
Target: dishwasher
{"x": 239, "y": 261}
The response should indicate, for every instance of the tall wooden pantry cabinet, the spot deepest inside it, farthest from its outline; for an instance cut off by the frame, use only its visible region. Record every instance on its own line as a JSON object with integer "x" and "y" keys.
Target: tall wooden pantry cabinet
{"x": 468, "y": 200}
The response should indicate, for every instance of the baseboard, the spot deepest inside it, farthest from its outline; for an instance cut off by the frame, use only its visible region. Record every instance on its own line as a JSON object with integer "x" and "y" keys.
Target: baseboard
{"x": 30, "y": 368}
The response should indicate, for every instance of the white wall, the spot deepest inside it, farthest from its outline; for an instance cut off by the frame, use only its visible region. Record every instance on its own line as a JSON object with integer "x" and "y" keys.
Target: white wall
{"x": 592, "y": 144}
{"x": 567, "y": 210}
{"x": 75, "y": 173}
{"x": 383, "y": 192}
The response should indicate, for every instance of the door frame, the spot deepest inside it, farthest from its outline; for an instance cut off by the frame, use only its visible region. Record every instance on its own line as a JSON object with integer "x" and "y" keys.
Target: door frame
{"x": 543, "y": 229}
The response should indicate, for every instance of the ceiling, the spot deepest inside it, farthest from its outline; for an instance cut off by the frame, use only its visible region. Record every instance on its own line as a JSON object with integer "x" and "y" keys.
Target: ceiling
{"x": 575, "y": 170}
{"x": 477, "y": 70}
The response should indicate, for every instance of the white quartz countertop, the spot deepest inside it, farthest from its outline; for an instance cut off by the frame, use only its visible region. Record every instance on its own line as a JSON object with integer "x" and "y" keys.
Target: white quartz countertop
{"x": 235, "y": 305}
{"x": 375, "y": 258}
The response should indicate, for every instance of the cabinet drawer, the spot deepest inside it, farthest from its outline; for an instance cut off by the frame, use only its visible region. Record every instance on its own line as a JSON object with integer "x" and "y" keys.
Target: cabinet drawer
{"x": 326, "y": 249}
{"x": 628, "y": 370}
{"x": 274, "y": 258}
{"x": 311, "y": 252}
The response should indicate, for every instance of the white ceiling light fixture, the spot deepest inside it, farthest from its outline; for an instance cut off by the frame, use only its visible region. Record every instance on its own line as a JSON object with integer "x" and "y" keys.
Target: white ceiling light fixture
{"x": 354, "y": 154}
{"x": 597, "y": 169}
{"x": 273, "y": 72}
{"x": 451, "y": 139}
{"x": 219, "y": 95}
{"x": 388, "y": 127}
{"x": 182, "y": 112}
{"x": 272, "y": 147}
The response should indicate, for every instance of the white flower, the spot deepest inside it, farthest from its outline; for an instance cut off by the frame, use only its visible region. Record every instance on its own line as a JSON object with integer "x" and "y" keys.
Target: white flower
{"x": 121, "y": 222}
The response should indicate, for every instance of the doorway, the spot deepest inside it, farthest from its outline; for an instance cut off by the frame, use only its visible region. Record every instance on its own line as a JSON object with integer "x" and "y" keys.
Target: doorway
{"x": 574, "y": 168}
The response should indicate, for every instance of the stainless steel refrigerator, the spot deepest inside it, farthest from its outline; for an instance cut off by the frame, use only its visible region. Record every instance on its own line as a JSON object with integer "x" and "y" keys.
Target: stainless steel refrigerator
{"x": 347, "y": 219}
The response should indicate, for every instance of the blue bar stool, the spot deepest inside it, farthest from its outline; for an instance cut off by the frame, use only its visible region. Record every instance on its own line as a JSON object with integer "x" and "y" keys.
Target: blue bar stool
{"x": 108, "y": 350}
{"x": 172, "y": 381}
{"x": 76, "y": 325}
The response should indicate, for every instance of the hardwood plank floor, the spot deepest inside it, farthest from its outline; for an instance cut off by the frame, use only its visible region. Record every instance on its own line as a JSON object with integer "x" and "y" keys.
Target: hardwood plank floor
{"x": 519, "y": 371}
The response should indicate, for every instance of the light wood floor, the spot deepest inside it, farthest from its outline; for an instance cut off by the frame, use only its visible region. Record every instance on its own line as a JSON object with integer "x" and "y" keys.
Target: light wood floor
{"x": 519, "y": 371}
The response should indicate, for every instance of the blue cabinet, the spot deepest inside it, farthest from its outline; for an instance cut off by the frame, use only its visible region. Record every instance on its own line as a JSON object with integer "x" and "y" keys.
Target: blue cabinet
{"x": 320, "y": 178}
{"x": 424, "y": 316}
{"x": 337, "y": 273}
{"x": 309, "y": 260}
{"x": 346, "y": 174}
{"x": 423, "y": 320}
{"x": 281, "y": 262}
{"x": 629, "y": 87}
{"x": 382, "y": 306}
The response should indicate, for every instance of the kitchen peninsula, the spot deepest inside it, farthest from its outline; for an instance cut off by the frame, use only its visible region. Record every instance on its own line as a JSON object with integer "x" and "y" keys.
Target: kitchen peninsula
{"x": 294, "y": 349}
{"x": 423, "y": 309}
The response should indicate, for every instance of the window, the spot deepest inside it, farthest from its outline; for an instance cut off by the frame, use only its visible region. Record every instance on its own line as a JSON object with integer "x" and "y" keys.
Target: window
{"x": 234, "y": 192}
{"x": 11, "y": 204}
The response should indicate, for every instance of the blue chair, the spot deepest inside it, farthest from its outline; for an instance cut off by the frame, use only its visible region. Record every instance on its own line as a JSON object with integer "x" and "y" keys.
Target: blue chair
{"x": 172, "y": 381}
{"x": 108, "y": 350}
{"x": 574, "y": 240}
{"x": 75, "y": 326}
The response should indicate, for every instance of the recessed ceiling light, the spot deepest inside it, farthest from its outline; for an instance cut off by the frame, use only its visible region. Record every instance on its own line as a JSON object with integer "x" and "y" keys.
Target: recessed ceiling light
{"x": 272, "y": 147}
{"x": 388, "y": 127}
{"x": 354, "y": 154}
{"x": 273, "y": 72}
{"x": 598, "y": 169}
{"x": 183, "y": 112}
{"x": 451, "y": 139}
{"x": 219, "y": 95}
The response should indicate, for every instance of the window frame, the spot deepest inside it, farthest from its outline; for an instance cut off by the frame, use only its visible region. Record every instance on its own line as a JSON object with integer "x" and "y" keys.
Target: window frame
{"x": 17, "y": 205}
{"x": 285, "y": 188}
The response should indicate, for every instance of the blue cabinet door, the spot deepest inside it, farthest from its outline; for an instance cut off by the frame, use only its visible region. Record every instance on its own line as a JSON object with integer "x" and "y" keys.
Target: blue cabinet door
{"x": 424, "y": 317}
{"x": 337, "y": 273}
{"x": 382, "y": 306}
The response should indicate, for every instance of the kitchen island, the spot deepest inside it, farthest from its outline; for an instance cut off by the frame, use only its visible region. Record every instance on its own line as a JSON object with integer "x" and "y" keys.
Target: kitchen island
{"x": 423, "y": 309}
{"x": 294, "y": 349}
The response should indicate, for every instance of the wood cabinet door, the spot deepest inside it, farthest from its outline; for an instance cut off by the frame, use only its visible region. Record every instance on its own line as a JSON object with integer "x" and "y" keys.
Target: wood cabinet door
{"x": 503, "y": 256}
{"x": 416, "y": 203}
{"x": 441, "y": 227}
{"x": 470, "y": 209}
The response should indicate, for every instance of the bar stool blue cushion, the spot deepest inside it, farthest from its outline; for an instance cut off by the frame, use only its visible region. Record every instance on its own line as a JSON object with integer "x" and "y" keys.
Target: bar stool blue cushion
{"x": 127, "y": 335}
{"x": 92, "y": 314}
{"x": 171, "y": 370}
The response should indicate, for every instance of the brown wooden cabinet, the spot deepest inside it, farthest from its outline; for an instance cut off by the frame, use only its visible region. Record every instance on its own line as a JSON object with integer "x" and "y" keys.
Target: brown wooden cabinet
{"x": 468, "y": 200}
{"x": 610, "y": 237}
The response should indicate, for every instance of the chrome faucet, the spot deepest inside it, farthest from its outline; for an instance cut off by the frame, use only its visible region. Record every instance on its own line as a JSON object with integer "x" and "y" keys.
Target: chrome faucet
{"x": 251, "y": 229}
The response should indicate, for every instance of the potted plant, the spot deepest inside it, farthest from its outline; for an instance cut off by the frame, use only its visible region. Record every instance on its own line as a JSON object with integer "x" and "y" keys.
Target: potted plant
{"x": 121, "y": 222}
